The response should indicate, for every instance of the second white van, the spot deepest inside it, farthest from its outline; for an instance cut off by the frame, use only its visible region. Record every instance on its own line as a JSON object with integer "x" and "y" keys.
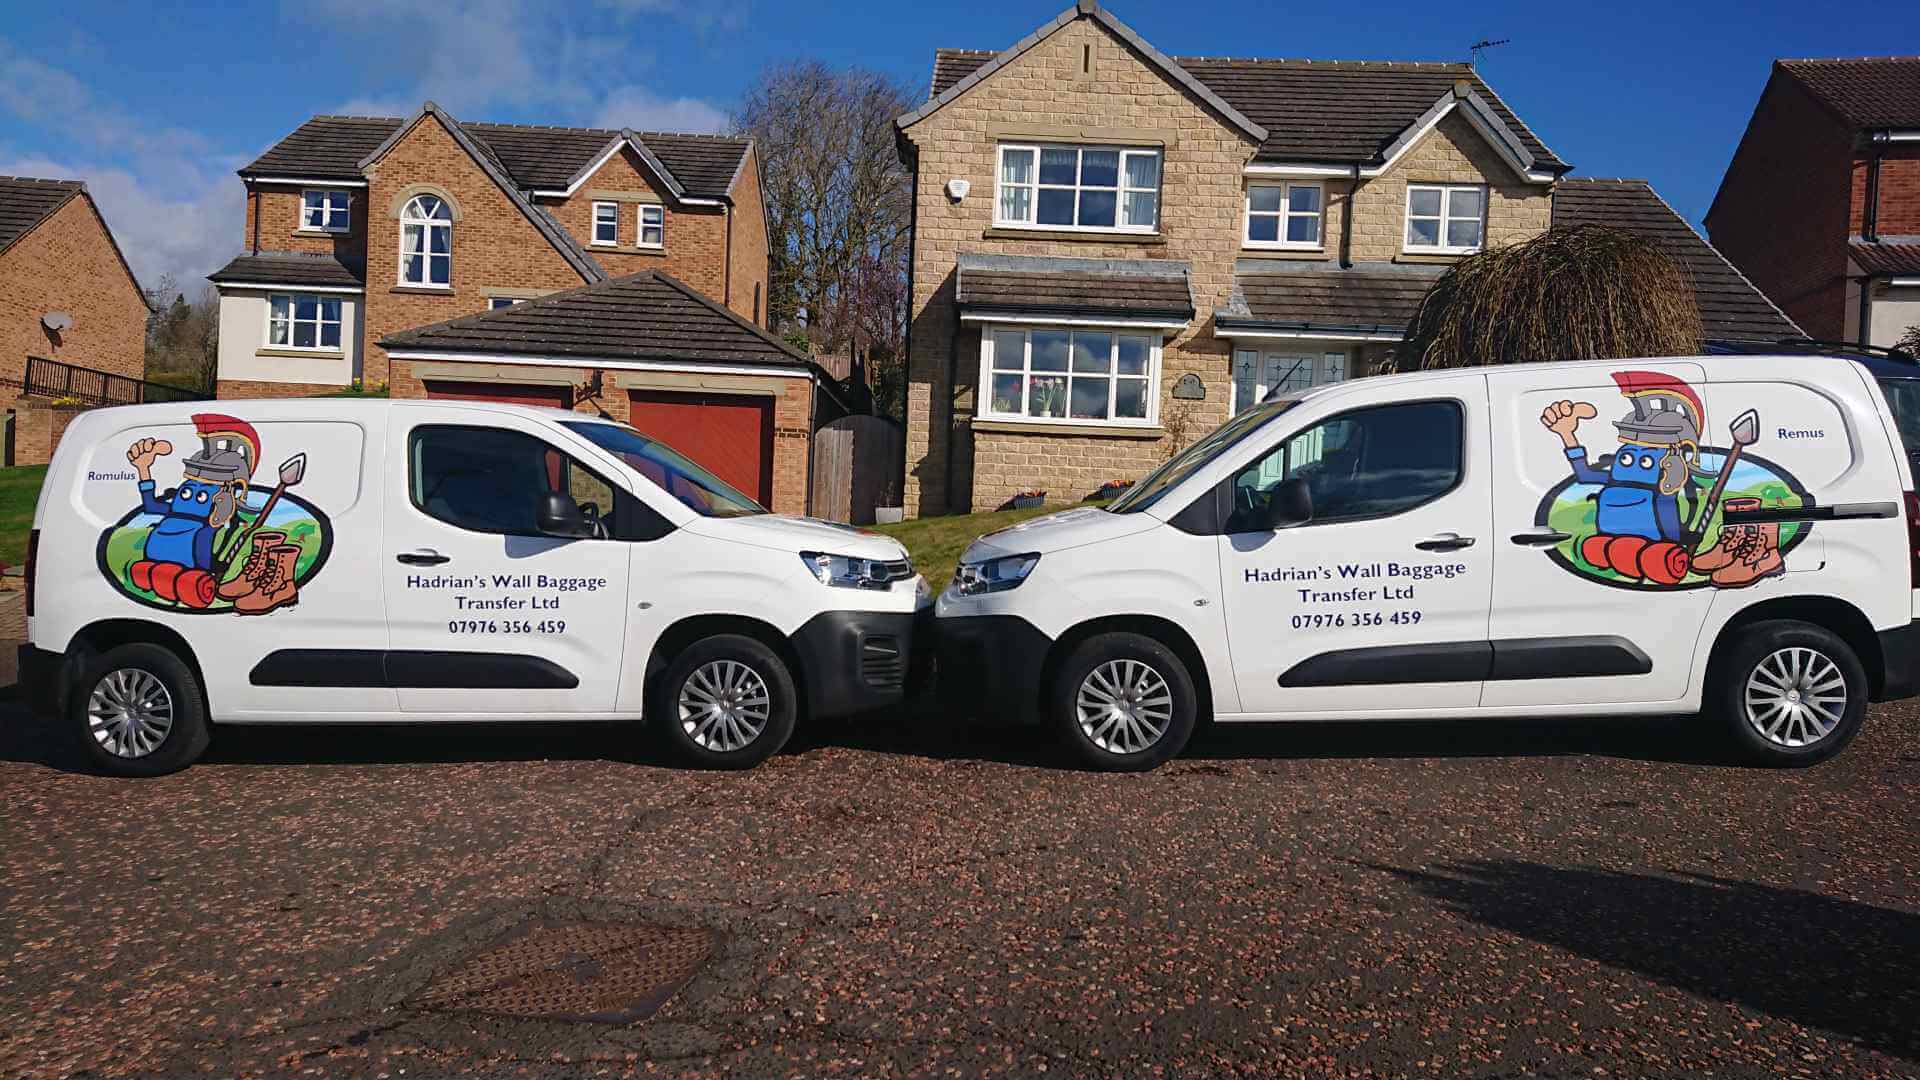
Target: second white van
{"x": 339, "y": 561}
{"x": 1728, "y": 534}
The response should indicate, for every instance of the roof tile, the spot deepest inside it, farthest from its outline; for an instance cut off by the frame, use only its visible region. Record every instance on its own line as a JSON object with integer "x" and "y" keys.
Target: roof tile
{"x": 25, "y": 202}
{"x": 1868, "y": 92}
{"x": 291, "y": 268}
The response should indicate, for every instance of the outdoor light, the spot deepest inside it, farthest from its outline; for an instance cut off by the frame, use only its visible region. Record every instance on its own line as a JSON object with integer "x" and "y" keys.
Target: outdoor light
{"x": 993, "y": 575}
{"x": 847, "y": 572}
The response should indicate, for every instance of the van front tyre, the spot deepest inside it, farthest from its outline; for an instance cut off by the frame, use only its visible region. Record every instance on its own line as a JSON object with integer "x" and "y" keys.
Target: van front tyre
{"x": 137, "y": 710}
{"x": 726, "y": 702}
{"x": 1122, "y": 702}
{"x": 1789, "y": 693}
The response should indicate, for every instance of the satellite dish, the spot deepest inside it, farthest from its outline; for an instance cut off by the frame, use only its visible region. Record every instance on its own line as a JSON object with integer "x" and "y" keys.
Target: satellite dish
{"x": 56, "y": 320}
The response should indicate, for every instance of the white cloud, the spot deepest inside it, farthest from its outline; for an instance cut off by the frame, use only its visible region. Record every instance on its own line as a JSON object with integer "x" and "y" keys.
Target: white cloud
{"x": 188, "y": 230}
{"x": 642, "y": 109}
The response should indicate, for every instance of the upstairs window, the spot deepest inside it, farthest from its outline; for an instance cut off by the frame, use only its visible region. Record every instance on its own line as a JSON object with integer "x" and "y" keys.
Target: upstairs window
{"x": 1078, "y": 187}
{"x": 606, "y": 223}
{"x": 1283, "y": 215}
{"x": 303, "y": 321}
{"x": 653, "y": 225}
{"x": 1446, "y": 219}
{"x": 426, "y": 243}
{"x": 324, "y": 210}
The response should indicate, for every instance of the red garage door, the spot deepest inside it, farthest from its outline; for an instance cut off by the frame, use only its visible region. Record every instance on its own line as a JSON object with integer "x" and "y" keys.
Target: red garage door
{"x": 559, "y": 397}
{"x": 731, "y": 435}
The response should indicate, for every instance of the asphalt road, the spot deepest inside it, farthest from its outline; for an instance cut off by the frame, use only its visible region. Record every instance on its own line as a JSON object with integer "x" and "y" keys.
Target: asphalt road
{"x": 1497, "y": 898}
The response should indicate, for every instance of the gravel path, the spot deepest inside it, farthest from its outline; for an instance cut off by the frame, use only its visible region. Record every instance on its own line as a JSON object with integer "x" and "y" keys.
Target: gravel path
{"x": 1494, "y": 899}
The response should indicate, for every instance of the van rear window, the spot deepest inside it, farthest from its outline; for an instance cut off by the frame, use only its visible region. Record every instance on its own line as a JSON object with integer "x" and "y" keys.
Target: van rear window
{"x": 1903, "y": 400}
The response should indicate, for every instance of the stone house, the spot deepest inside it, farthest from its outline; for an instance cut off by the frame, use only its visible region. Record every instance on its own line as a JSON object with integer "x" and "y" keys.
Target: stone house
{"x": 1838, "y": 141}
{"x": 360, "y": 232}
{"x": 68, "y": 301}
{"x": 1115, "y": 250}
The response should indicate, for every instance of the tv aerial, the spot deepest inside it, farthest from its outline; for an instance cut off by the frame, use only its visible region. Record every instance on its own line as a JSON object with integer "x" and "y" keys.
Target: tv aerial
{"x": 1483, "y": 45}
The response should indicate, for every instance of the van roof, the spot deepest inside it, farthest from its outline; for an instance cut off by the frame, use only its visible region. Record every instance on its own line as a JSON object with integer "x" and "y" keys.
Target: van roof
{"x": 336, "y": 408}
{"x": 1711, "y": 361}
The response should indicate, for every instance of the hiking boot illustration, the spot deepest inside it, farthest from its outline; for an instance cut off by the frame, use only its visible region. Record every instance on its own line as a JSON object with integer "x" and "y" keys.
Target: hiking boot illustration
{"x": 1753, "y": 555}
{"x": 274, "y": 588}
{"x": 1731, "y": 537}
{"x": 247, "y": 583}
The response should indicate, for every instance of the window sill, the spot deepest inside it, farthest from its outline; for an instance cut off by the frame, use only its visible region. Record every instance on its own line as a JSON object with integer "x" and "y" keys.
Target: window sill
{"x": 1433, "y": 256}
{"x": 321, "y": 232}
{"x": 300, "y": 354}
{"x": 1042, "y": 427}
{"x": 1255, "y": 251}
{"x": 1007, "y": 232}
{"x": 423, "y": 290}
{"x": 630, "y": 249}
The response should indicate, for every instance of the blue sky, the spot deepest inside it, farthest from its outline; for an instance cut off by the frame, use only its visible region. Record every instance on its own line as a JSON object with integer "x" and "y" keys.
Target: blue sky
{"x": 155, "y": 105}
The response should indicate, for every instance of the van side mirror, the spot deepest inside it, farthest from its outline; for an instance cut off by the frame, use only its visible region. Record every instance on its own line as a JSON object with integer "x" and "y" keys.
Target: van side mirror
{"x": 1291, "y": 503}
{"x": 558, "y": 515}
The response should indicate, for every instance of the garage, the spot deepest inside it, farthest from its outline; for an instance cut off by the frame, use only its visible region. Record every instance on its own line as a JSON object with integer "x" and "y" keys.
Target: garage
{"x": 559, "y": 397}
{"x": 730, "y": 434}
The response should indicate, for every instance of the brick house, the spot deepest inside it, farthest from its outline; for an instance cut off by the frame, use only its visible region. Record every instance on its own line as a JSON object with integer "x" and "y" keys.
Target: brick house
{"x": 66, "y": 295}
{"x": 1115, "y": 250}
{"x": 1837, "y": 142}
{"x": 360, "y": 230}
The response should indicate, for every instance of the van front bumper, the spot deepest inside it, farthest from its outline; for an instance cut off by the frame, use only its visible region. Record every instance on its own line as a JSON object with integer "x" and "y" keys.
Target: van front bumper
{"x": 991, "y": 665}
{"x": 1900, "y": 662}
{"x": 857, "y": 661}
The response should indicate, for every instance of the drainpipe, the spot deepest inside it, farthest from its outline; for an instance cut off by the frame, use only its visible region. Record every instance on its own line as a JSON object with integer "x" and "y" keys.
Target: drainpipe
{"x": 1870, "y": 232}
{"x": 726, "y": 262}
{"x": 1346, "y": 223}
{"x": 253, "y": 194}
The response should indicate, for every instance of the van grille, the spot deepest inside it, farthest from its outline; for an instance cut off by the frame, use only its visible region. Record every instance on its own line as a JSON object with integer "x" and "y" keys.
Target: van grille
{"x": 881, "y": 662}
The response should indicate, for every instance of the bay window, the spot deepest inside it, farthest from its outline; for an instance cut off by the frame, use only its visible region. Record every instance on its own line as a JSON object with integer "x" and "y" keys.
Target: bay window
{"x": 324, "y": 210}
{"x": 1078, "y": 187}
{"x": 1283, "y": 215}
{"x": 1070, "y": 376}
{"x": 1446, "y": 219}
{"x": 303, "y": 321}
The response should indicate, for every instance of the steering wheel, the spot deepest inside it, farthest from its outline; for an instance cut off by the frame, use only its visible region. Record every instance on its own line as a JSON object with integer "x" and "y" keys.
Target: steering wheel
{"x": 591, "y": 511}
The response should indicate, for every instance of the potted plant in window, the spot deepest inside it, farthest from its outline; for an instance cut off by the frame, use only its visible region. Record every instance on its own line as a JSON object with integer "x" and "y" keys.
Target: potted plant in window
{"x": 1049, "y": 396}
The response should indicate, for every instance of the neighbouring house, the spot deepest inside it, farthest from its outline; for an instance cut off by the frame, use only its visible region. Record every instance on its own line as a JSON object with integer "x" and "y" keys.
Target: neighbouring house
{"x": 1115, "y": 249}
{"x": 1821, "y": 203}
{"x": 73, "y": 320}
{"x": 359, "y": 230}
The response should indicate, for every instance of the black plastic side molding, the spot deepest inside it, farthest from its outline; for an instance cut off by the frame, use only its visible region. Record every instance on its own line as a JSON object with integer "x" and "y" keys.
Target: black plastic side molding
{"x": 410, "y": 669}
{"x": 1472, "y": 661}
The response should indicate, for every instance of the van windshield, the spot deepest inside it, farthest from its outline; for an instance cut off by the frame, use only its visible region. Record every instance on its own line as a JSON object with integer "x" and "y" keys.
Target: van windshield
{"x": 671, "y": 471}
{"x": 1193, "y": 458}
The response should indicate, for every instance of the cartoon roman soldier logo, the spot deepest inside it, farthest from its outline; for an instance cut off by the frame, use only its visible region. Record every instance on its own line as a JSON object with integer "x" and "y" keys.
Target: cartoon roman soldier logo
{"x": 215, "y": 541}
{"x": 1642, "y": 513}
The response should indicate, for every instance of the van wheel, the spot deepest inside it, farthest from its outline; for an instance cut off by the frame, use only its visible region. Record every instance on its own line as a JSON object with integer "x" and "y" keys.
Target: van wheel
{"x": 1123, "y": 703}
{"x": 137, "y": 710}
{"x": 1790, "y": 693}
{"x": 726, "y": 702}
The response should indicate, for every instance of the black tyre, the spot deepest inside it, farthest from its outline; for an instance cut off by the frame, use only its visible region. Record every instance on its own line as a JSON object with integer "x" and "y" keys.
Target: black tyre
{"x": 1122, "y": 703}
{"x": 1788, "y": 692}
{"x": 726, "y": 702}
{"x": 137, "y": 710}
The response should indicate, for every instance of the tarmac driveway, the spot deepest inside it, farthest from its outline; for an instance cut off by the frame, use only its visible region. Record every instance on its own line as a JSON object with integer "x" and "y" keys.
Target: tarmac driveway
{"x": 1493, "y": 898}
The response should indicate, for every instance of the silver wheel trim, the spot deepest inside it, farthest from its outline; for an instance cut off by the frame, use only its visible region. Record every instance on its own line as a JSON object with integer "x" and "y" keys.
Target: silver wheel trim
{"x": 1124, "y": 706}
{"x": 130, "y": 712}
{"x": 1795, "y": 697}
{"x": 724, "y": 705}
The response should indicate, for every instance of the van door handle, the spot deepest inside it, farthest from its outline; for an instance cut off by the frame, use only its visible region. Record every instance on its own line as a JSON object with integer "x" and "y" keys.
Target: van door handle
{"x": 423, "y": 557}
{"x": 1444, "y": 542}
{"x": 1540, "y": 538}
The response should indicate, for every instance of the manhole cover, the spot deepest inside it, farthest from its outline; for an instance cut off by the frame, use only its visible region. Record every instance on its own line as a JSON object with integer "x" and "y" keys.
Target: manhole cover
{"x": 614, "y": 973}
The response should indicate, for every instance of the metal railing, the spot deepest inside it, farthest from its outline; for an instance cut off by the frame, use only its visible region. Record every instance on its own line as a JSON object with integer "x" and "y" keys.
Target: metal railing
{"x": 51, "y": 378}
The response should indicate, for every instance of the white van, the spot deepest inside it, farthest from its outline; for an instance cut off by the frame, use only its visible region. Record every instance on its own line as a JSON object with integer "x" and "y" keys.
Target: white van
{"x": 1733, "y": 534}
{"x": 346, "y": 561}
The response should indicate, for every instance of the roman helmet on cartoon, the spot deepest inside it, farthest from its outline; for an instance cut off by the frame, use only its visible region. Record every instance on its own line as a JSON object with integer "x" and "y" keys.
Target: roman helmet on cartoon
{"x": 177, "y": 560}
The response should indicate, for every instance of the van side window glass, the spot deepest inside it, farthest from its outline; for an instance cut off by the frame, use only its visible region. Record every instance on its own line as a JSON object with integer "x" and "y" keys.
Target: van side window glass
{"x": 1903, "y": 401}
{"x": 490, "y": 480}
{"x": 1368, "y": 463}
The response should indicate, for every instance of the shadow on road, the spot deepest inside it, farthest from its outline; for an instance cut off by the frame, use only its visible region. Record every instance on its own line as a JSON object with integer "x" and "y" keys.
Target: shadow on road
{"x": 1845, "y": 966}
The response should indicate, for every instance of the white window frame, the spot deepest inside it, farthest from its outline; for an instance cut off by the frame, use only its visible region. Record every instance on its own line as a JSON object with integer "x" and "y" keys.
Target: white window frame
{"x": 1285, "y": 214}
{"x": 319, "y": 321}
{"x": 1156, "y": 339}
{"x": 426, "y": 253}
{"x": 1447, "y": 192}
{"x": 332, "y": 219}
{"x": 612, "y": 212}
{"x": 641, "y": 225}
{"x": 1120, "y": 191}
{"x": 495, "y": 303}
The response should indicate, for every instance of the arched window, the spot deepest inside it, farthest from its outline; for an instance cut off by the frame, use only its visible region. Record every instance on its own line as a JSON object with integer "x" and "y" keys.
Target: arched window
{"x": 426, "y": 242}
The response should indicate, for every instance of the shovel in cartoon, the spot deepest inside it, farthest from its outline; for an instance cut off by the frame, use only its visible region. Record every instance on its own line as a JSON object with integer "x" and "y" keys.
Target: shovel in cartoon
{"x": 1744, "y": 552}
{"x": 266, "y": 581}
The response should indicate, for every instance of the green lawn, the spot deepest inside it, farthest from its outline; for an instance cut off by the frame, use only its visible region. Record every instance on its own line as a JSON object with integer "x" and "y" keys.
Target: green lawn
{"x": 936, "y": 542}
{"x": 19, "y": 489}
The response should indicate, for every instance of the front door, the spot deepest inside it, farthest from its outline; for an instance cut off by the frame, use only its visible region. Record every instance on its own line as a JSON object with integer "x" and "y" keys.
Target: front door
{"x": 1260, "y": 372}
{"x": 1379, "y": 602}
{"x": 484, "y": 613}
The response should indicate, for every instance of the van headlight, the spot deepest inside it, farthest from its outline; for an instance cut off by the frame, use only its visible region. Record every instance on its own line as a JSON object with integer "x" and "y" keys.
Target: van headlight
{"x": 848, "y": 572}
{"x": 993, "y": 575}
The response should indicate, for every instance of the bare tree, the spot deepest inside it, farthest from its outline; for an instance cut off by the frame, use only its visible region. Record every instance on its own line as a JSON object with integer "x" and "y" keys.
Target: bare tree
{"x": 838, "y": 204}
{"x": 183, "y": 337}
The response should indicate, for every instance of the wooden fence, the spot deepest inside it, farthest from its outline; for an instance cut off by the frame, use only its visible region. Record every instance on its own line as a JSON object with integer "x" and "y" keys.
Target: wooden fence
{"x": 857, "y": 465}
